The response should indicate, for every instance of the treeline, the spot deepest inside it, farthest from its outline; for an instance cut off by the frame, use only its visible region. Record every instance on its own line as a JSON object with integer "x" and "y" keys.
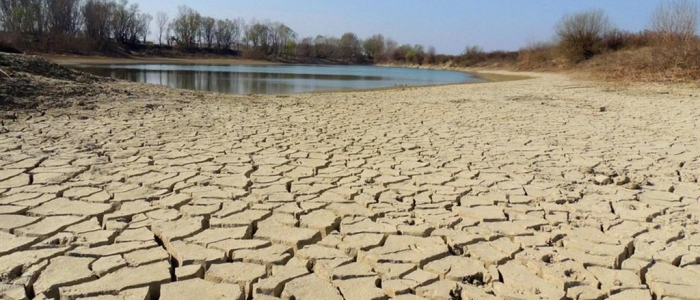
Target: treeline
{"x": 104, "y": 25}
{"x": 69, "y": 24}
{"x": 376, "y": 49}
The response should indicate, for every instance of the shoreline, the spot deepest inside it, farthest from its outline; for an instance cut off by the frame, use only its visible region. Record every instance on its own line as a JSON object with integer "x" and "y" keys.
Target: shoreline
{"x": 487, "y": 76}
{"x": 103, "y": 60}
{"x": 484, "y": 74}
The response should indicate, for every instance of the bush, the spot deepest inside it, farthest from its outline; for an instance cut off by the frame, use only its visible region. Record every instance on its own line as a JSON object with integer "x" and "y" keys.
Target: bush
{"x": 580, "y": 35}
{"x": 536, "y": 56}
{"x": 615, "y": 40}
{"x": 675, "y": 21}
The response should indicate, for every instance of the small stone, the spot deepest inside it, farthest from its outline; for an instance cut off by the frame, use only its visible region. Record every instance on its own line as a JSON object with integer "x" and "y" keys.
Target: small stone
{"x": 622, "y": 180}
{"x": 602, "y": 180}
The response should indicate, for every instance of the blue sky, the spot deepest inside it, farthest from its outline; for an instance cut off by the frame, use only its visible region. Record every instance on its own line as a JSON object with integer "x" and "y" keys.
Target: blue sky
{"x": 449, "y": 25}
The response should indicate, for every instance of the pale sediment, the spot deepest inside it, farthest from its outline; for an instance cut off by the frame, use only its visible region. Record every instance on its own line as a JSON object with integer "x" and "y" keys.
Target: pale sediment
{"x": 521, "y": 190}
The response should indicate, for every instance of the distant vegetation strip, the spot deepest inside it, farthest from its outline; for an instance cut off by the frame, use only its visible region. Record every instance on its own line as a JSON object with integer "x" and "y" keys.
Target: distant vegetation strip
{"x": 668, "y": 50}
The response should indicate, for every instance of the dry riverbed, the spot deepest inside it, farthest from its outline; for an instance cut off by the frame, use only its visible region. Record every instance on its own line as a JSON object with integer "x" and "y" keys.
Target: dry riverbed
{"x": 545, "y": 188}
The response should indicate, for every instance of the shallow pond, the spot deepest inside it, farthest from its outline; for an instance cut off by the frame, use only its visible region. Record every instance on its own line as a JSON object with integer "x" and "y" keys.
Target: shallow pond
{"x": 276, "y": 79}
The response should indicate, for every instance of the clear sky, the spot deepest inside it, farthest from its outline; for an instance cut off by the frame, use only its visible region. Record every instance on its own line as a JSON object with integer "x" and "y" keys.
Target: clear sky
{"x": 449, "y": 25}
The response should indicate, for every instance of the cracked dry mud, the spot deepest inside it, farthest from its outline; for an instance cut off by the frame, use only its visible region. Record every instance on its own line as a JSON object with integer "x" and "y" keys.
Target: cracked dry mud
{"x": 509, "y": 190}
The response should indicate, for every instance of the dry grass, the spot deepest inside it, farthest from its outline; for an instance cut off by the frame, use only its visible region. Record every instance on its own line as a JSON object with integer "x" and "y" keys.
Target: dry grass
{"x": 649, "y": 64}
{"x": 539, "y": 56}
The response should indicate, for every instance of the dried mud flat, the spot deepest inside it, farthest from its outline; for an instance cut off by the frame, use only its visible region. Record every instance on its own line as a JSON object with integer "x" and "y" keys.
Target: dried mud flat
{"x": 508, "y": 190}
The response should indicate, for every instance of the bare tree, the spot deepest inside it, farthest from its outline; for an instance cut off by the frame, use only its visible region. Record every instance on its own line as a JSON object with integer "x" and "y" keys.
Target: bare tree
{"x": 417, "y": 54}
{"x": 280, "y": 37}
{"x": 238, "y": 31}
{"x": 23, "y": 16}
{"x": 63, "y": 16}
{"x": 224, "y": 33}
{"x": 258, "y": 36}
{"x": 323, "y": 47}
{"x": 144, "y": 25}
{"x": 124, "y": 21}
{"x": 676, "y": 20}
{"x": 208, "y": 28}
{"x": 305, "y": 48}
{"x": 350, "y": 47}
{"x": 97, "y": 17}
{"x": 374, "y": 47}
{"x": 431, "y": 55}
{"x": 403, "y": 53}
{"x": 168, "y": 34}
{"x": 186, "y": 26}
{"x": 390, "y": 47}
{"x": 580, "y": 34}
{"x": 162, "y": 23}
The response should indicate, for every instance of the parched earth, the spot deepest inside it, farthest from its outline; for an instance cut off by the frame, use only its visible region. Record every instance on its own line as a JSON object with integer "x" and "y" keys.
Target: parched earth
{"x": 547, "y": 188}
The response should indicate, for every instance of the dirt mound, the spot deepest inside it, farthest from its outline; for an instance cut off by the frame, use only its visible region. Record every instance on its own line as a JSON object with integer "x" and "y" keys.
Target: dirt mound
{"x": 33, "y": 82}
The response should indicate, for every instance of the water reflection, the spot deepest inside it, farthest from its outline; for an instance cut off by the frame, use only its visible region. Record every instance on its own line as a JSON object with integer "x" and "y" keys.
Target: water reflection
{"x": 274, "y": 79}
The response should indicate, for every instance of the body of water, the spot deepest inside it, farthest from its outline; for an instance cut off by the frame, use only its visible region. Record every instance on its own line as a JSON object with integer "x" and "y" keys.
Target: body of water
{"x": 275, "y": 79}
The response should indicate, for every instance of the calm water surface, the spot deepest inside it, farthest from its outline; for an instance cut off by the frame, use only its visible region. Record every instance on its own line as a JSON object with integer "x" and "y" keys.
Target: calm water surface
{"x": 285, "y": 79}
